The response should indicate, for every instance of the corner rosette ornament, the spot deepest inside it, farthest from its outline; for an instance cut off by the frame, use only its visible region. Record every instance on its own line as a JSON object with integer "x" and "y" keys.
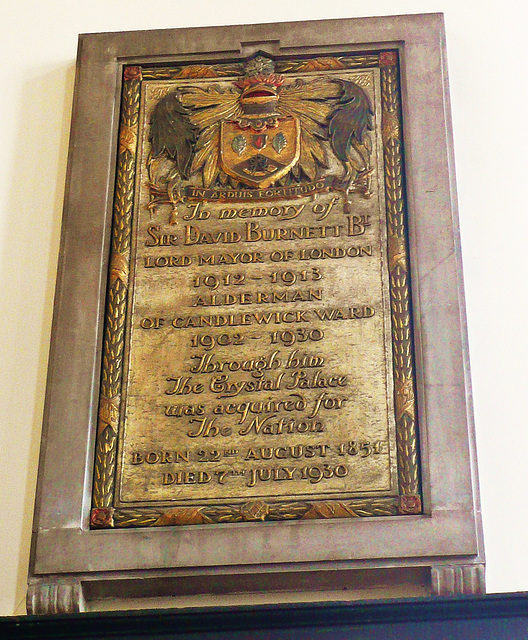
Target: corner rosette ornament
{"x": 132, "y": 73}
{"x": 260, "y": 131}
{"x": 102, "y": 517}
{"x": 388, "y": 58}
{"x": 410, "y": 504}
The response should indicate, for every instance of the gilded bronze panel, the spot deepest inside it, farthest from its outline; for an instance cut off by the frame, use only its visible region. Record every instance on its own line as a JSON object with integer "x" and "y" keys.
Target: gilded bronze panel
{"x": 257, "y": 357}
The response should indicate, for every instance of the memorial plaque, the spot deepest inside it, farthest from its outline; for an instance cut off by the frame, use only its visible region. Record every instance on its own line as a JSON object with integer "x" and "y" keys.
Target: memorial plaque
{"x": 258, "y": 359}
{"x": 259, "y": 378}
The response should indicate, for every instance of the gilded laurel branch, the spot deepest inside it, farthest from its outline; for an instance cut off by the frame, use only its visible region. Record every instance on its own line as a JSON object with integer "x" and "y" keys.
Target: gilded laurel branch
{"x": 114, "y": 332}
{"x": 193, "y": 71}
{"x": 326, "y": 63}
{"x": 407, "y": 446}
{"x": 407, "y": 449}
{"x": 113, "y": 340}
{"x": 124, "y": 195}
{"x": 352, "y": 508}
{"x": 255, "y": 511}
{"x": 282, "y": 66}
{"x": 394, "y": 187}
{"x": 105, "y": 457}
{"x": 389, "y": 89}
{"x": 136, "y": 517}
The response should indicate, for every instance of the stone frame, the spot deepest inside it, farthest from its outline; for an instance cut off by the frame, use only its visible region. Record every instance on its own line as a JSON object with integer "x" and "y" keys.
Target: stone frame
{"x": 70, "y": 562}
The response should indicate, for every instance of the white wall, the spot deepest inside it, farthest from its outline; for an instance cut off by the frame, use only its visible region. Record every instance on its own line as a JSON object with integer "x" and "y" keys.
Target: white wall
{"x": 489, "y": 100}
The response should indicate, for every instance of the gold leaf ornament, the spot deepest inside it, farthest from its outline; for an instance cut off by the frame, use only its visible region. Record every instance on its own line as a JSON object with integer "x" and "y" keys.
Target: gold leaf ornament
{"x": 256, "y": 510}
{"x": 119, "y": 268}
{"x": 109, "y": 412}
{"x": 391, "y": 125}
{"x": 208, "y": 107}
{"x": 127, "y": 139}
{"x": 182, "y": 516}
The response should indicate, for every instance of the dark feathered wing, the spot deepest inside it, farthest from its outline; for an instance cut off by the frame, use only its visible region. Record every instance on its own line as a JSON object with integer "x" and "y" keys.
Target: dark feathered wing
{"x": 172, "y": 132}
{"x": 351, "y": 121}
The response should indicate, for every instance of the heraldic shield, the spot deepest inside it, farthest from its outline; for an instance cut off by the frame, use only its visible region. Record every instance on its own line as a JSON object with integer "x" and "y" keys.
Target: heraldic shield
{"x": 258, "y": 158}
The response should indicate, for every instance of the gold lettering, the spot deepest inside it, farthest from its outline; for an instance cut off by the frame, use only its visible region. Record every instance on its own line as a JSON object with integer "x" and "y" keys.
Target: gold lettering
{"x": 186, "y": 477}
{"x": 207, "y": 428}
{"x": 183, "y": 386}
{"x": 321, "y": 253}
{"x": 357, "y": 225}
{"x": 150, "y": 262}
{"x": 256, "y": 233}
{"x": 245, "y": 257}
{"x": 196, "y": 212}
{"x": 239, "y": 319}
{"x": 325, "y": 402}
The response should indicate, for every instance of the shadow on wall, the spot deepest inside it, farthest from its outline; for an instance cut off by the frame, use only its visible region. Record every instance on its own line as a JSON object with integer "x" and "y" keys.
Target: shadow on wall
{"x": 27, "y": 284}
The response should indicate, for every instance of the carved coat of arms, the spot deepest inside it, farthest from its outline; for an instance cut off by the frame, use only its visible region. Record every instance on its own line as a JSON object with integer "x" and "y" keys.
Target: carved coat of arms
{"x": 261, "y": 131}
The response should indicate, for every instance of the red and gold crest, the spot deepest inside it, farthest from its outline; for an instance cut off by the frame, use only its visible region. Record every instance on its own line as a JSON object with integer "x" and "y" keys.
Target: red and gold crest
{"x": 261, "y": 130}
{"x": 258, "y": 158}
